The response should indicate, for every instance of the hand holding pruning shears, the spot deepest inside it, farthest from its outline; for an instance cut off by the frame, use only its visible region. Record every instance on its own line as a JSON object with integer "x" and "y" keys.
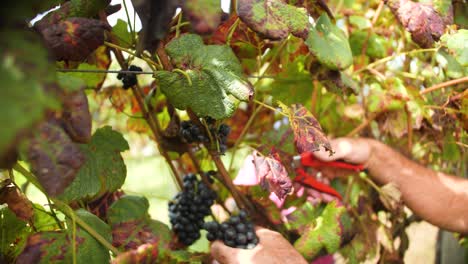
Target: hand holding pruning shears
{"x": 347, "y": 158}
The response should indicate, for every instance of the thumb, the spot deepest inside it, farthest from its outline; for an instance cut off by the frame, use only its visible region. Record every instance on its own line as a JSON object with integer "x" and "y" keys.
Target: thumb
{"x": 353, "y": 150}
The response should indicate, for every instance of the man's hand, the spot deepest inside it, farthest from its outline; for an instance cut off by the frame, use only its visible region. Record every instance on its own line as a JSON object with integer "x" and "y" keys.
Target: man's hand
{"x": 273, "y": 248}
{"x": 351, "y": 150}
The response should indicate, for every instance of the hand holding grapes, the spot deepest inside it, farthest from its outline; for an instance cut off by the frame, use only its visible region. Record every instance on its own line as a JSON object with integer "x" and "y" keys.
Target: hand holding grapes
{"x": 272, "y": 248}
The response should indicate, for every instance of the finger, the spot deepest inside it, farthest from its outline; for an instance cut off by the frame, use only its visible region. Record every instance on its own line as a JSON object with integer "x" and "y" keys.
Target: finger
{"x": 221, "y": 252}
{"x": 340, "y": 147}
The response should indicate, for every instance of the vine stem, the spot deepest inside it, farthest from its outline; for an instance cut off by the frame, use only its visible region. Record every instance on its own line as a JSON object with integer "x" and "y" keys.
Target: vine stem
{"x": 243, "y": 133}
{"x": 64, "y": 208}
{"x": 150, "y": 119}
{"x": 270, "y": 107}
{"x": 444, "y": 84}
{"x": 155, "y": 128}
{"x": 363, "y": 124}
{"x": 117, "y": 47}
{"x": 389, "y": 58}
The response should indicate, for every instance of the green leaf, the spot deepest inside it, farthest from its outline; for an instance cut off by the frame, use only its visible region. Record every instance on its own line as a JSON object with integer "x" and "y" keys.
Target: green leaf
{"x": 216, "y": 78}
{"x": 294, "y": 83}
{"x": 104, "y": 169}
{"x": 128, "y": 208}
{"x": 458, "y": 45}
{"x": 13, "y": 232}
{"x": 452, "y": 68}
{"x": 376, "y": 45}
{"x": 121, "y": 31}
{"x": 325, "y": 232}
{"x": 451, "y": 151}
{"x": 329, "y": 44}
{"x": 301, "y": 217}
{"x": 273, "y": 19}
{"x": 24, "y": 72}
{"x": 90, "y": 79}
{"x": 91, "y": 250}
{"x": 360, "y": 22}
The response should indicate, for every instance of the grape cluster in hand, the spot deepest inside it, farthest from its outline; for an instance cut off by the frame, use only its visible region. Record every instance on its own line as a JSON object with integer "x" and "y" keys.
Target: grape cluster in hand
{"x": 237, "y": 232}
{"x": 192, "y": 133}
{"x": 188, "y": 209}
{"x": 129, "y": 79}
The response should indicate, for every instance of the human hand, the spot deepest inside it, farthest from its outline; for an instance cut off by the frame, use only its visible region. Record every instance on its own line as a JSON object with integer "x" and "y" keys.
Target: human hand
{"x": 351, "y": 150}
{"x": 273, "y": 248}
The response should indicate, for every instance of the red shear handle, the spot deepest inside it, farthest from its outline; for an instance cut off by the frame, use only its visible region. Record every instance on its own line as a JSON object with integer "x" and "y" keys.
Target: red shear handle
{"x": 308, "y": 180}
{"x": 309, "y": 160}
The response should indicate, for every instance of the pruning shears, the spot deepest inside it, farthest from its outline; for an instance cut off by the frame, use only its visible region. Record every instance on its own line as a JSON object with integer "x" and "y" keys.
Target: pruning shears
{"x": 307, "y": 159}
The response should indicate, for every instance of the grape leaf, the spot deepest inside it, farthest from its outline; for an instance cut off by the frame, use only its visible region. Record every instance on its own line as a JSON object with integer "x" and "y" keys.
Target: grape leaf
{"x": 69, "y": 9}
{"x": 120, "y": 30}
{"x": 24, "y": 73}
{"x": 76, "y": 118}
{"x": 16, "y": 201}
{"x": 274, "y": 19}
{"x": 54, "y": 158}
{"x": 294, "y": 83}
{"x": 314, "y": 7}
{"x": 56, "y": 246}
{"x": 272, "y": 175}
{"x": 329, "y": 44}
{"x": 376, "y": 45}
{"x": 217, "y": 84}
{"x": 13, "y": 232}
{"x": 325, "y": 232}
{"x": 132, "y": 225}
{"x": 424, "y": 23}
{"x": 104, "y": 169}
{"x": 204, "y": 15}
{"x": 74, "y": 38}
{"x": 458, "y": 45}
{"x": 308, "y": 135}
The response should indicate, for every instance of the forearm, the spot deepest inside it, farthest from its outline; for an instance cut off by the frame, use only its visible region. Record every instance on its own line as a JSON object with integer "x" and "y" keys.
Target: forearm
{"x": 436, "y": 197}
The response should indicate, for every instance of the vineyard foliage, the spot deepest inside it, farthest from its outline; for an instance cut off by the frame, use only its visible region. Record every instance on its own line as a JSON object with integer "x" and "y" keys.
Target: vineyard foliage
{"x": 268, "y": 78}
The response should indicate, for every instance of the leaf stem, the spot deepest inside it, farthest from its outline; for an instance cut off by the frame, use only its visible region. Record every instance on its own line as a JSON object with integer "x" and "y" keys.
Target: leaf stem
{"x": 117, "y": 47}
{"x": 64, "y": 208}
{"x": 189, "y": 80}
{"x": 270, "y": 107}
{"x": 389, "y": 58}
{"x": 444, "y": 84}
{"x": 129, "y": 22}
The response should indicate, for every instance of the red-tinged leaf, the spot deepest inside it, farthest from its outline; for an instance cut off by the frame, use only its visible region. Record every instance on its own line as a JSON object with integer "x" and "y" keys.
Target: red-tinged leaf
{"x": 77, "y": 8}
{"x": 308, "y": 134}
{"x": 75, "y": 38}
{"x": 76, "y": 118}
{"x": 424, "y": 23}
{"x": 274, "y": 19}
{"x": 54, "y": 158}
{"x": 204, "y": 15}
{"x": 100, "y": 206}
{"x": 16, "y": 201}
{"x": 146, "y": 253}
{"x": 272, "y": 175}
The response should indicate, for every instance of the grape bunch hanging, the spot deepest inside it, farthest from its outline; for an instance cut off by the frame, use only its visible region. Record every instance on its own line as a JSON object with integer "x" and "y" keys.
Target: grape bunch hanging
{"x": 192, "y": 133}
{"x": 238, "y": 231}
{"x": 189, "y": 207}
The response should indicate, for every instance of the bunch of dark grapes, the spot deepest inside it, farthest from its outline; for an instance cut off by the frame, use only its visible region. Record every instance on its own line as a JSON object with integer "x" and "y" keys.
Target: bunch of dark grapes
{"x": 192, "y": 133}
{"x": 129, "y": 79}
{"x": 189, "y": 207}
{"x": 238, "y": 231}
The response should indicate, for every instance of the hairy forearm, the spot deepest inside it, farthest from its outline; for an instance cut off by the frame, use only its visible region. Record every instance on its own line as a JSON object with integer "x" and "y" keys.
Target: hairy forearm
{"x": 436, "y": 197}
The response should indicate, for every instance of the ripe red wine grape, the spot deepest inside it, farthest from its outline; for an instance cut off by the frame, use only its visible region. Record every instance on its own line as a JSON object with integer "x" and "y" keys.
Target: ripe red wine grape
{"x": 129, "y": 79}
{"x": 189, "y": 207}
{"x": 192, "y": 133}
{"x": 236, "y": 232}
